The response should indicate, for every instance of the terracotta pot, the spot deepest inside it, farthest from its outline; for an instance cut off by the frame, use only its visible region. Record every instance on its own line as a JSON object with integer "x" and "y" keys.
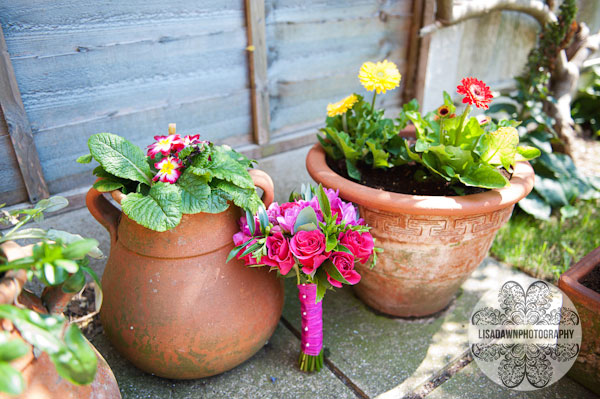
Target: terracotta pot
{"x": 431, "y": 243}
{"x": 39, "y": 373}
{"x": 586, "y": 369}
{"x": 172, "y": 306}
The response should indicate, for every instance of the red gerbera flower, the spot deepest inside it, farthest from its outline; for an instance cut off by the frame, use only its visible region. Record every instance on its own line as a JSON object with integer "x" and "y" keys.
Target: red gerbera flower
{"x": 476, "y": 92}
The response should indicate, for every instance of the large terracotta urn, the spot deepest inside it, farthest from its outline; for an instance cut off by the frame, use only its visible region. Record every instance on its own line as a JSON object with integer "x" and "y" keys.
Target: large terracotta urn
{"x": 172, "y": 305}
{"x": 431, "y": 244}
{"x": 39, "y": 373}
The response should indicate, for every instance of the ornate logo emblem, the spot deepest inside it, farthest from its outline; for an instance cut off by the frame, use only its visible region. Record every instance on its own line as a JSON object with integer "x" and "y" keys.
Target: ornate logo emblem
{"x": 525, "y": 338}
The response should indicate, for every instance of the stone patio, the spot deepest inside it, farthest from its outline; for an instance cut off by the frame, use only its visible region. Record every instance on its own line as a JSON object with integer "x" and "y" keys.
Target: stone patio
{"x": 368, "y": 355}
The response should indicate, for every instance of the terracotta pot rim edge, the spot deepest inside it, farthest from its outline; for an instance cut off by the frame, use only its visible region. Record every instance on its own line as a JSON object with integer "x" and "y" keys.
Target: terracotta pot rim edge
{"x": 521, "y": 186}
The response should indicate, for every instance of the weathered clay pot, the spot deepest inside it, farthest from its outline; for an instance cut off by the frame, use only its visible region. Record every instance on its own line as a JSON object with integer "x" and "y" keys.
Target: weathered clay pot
{"x": 586, "y": 369}
{"x": 431, "y": 243}
{"x": 39, "y": 373}
{"x": 172, "y": 306}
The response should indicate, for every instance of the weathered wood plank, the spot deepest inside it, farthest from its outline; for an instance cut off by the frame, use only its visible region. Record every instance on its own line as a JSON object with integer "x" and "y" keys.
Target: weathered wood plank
{"x": 257, "y": 54}
{"x": 428, "y": 17}
{"x": 12, "y": 187}
{"x": 220, "y": 119}
{"x": 19, "y": 129}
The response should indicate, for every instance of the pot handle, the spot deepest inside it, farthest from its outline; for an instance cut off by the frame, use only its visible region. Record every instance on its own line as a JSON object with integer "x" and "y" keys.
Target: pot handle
{"x": 263, "y": 181}
{"x": 103, "y": 211}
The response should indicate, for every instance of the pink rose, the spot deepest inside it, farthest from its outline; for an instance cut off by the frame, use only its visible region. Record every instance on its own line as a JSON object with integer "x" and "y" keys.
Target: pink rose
{"x": 309, "y": 248}
{"x": 360, "y": 244}
{"x": 278, "y": 253}
{"x": 344, "y": 262}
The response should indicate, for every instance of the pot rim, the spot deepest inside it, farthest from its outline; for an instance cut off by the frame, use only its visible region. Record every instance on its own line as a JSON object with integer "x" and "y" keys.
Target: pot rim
{"x": 569, "y": 281}
{"x": 489, "y": 201}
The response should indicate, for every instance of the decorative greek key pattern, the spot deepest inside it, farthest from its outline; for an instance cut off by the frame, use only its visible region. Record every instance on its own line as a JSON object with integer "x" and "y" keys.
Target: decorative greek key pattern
{"x": 404, "y": 226}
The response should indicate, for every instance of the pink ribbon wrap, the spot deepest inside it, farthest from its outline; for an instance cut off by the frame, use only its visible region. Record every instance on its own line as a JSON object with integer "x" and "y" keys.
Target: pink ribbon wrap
{"x": 312, "y": 319}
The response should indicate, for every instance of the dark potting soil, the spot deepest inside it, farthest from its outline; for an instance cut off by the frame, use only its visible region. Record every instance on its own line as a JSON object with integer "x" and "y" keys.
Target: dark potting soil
{"x": 592, "y": 279}
{"x": 401, "y": 179}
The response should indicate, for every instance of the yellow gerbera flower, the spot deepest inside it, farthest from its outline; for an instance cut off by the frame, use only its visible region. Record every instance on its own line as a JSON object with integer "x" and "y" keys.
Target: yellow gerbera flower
{"x": 342, "y": 106}
{"x": 380, "y": 77}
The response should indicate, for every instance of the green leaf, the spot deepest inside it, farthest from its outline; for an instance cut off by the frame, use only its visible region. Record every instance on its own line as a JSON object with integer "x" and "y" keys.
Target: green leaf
{"x": 75, "y": 282}
{"x": 11, "y": 381}
{"x": 216, "y": 202}
{"x": 78, "y": 249}
{"x": 52, "y": 204}
{"x": 353, "y": 172}
{"x": 331, "y": 243}
{"x": 119, "y": 157}
{"x": 194, "y": 192}
{"x": 551, "y": 190}
{"x": 77, "y": 362}
{"x": 54, "y": 275}
{"x": 536, "y": 206}
{"x": 245, "y": 198}
{"x": 333, "y": 272}
{"x": 380, "y": 157}
{"x": 68, "y": 265}
{"x": 106, "y": 185}
{"x": 263, "y": 218}
{"x": 224, "y": 167}
{"x": 160, "y": 210}
{"x": 525, "y": 153}
{"x": 485, "y": 176}
{"x": 68, "y": 238}
{"x": 499, "y": 147}
{"x": 250, "y": 222}
{"x": 11, "y": 348}
{"x": 87, "y": 158}
{"x": 323, "y": 202}
{"x": 233, "y": 253}
{"x": 306, "y": 217}
{"x": 322, "y": 284}
{"x": 568, "y": 211}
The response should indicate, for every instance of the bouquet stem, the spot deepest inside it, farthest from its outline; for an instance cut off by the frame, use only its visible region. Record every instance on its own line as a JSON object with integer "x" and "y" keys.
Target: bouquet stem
{"x": 311, "y": 355}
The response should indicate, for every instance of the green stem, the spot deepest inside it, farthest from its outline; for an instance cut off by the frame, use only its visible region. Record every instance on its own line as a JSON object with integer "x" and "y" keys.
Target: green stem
{"x": 442, "y": 134}
{"x": 344, "y": 122}
{"x": 461, "y": 124}
{"x": 373, "y": 101}
{"x": 297, "y": 273}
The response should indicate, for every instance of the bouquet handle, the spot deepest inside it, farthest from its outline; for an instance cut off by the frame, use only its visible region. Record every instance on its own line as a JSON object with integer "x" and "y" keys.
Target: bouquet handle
{"x": 263, "y": 181}
{"x": 103, "y": 211}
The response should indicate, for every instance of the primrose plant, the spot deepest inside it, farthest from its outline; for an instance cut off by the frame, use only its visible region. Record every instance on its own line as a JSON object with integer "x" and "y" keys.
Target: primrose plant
{"x": 58, "y": 259}
{"x": 179, "y": 175}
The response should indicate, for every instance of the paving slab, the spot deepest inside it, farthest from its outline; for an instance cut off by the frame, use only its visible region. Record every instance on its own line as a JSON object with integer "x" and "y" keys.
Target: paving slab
{"x": 472, "y": 383}
{"x": 393, "y": 356}
{"x": 271, "y": 373}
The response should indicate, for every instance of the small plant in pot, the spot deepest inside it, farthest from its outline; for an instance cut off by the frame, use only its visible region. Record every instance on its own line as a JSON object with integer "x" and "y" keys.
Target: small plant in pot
{"x": 166, "y": 274}
{"x": 42, "y": 354}
{"x": 435, "y": 202}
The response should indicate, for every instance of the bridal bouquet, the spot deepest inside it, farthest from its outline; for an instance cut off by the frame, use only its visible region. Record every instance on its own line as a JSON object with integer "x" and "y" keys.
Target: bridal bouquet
{"x": 320, "y": 237}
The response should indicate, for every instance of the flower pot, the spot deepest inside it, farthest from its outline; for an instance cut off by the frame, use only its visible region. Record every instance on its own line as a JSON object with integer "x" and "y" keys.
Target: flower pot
{"x": 586, "y": 369}
{"x": 172, "y": 305}
{"x": 431, "y": 243}
{"x": 39, "y": 373}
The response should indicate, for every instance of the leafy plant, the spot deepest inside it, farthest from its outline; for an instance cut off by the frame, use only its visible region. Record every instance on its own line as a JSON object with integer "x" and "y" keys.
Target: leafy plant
{"x": 460, "y": 150}
{"x": 59, "y": 259}
{"x": 584, "y": 108}
{"x": 558, "y": 183}
{"x": 189, "y": 176}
